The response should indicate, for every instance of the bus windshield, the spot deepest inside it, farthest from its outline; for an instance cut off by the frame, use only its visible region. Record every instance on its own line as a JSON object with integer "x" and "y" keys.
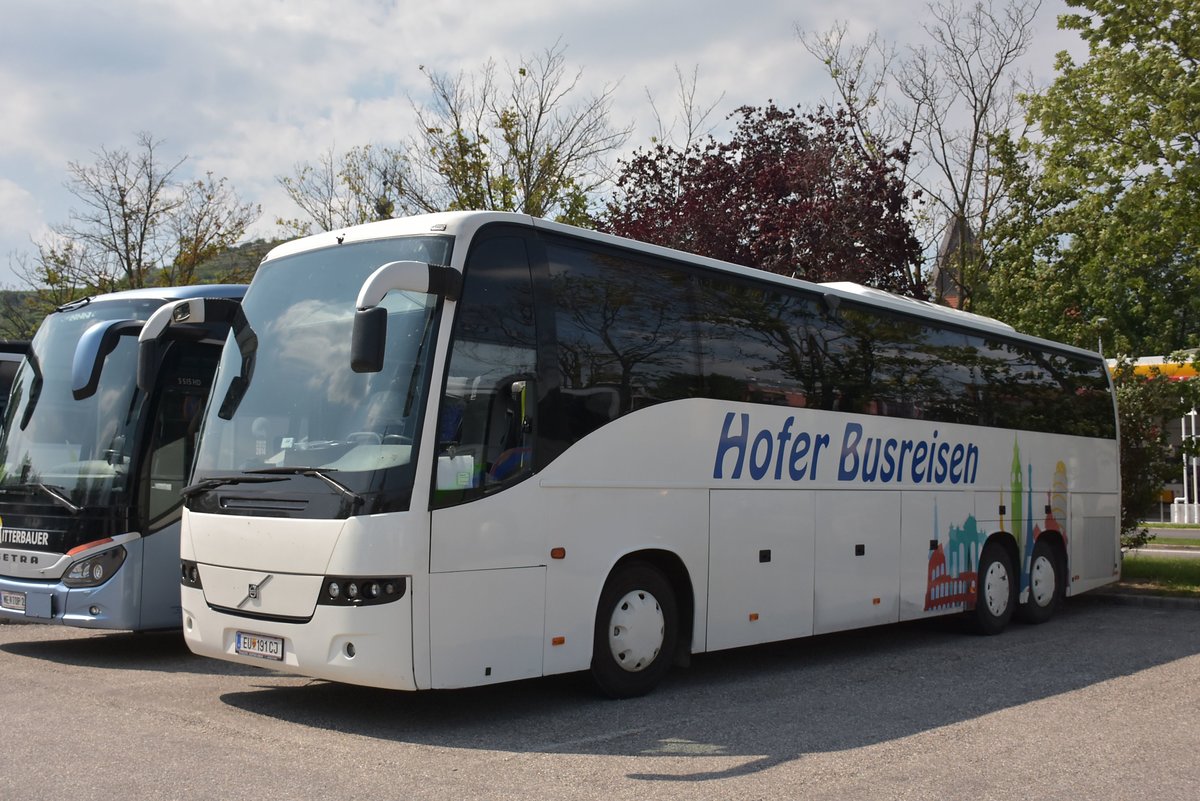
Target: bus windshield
{"x": 303, "y": 409}
{"x": 72, "y": 450}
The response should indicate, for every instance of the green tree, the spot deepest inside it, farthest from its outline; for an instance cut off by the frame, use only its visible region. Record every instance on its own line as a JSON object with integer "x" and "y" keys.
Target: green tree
{"x": 947, "y": 101}
{"x": 1110, "y": 187}
{"x": 1146, "y": 406}
{"x": 362, "y": 185}
{"x": 137, "y": 223}
{"x": 209, "y": 221}
{"x": 527, "y": 141}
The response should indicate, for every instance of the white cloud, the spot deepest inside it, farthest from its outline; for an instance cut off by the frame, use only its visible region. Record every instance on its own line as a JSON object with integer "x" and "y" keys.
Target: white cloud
{"x": 247, "y": 90}
{"x": 18, "y": 210}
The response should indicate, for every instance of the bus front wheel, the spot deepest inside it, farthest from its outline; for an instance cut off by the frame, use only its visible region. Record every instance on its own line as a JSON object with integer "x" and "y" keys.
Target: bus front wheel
{"x": 997, "y": 594}
{"x": 637, "y": 627}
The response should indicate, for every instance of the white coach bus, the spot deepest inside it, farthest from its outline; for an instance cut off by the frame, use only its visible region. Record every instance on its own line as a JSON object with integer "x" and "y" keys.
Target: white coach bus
{"x": 466, "y": 448}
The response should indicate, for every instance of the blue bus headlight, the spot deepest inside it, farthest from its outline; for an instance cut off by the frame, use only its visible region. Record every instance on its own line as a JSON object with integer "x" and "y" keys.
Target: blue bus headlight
{"x": 96, "y": 569}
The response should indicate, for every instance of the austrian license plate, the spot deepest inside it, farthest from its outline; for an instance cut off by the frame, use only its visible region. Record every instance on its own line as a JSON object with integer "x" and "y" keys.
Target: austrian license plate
{"x": 13, "y": 600}
{"x": 259, "y": 645}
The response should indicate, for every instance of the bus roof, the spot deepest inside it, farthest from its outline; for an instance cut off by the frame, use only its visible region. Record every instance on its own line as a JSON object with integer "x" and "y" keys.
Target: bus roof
{"x": 922, "y": 307}
{"x": 167, "y": 293}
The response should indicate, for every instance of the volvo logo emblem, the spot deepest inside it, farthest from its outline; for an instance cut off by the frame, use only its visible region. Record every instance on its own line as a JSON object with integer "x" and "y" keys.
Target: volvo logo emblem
{"x": 254, "y": 590}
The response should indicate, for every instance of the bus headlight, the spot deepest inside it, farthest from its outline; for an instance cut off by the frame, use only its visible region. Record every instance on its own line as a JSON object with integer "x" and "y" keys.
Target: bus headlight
{"x": 189, "y": 574}
{"x": 96, "y": 569}
{"x": 361, "y": 590}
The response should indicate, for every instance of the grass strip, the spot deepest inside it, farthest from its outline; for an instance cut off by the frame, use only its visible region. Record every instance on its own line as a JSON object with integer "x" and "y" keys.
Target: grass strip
{"x": 1167, "y": 542}
{"x": 1176, "y": 575}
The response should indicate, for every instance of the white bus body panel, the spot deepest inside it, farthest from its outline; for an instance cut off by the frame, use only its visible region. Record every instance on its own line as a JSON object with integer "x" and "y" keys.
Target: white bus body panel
{"x": 900, "y": 523}
{"x": 1095, "y": 552}
{"x": 761, "y": 566}
{"x": 486, "y": 626}
{"x": 381, "y": 635}
{"x": 608, "y": 523}
{"x": 857, "y": 560}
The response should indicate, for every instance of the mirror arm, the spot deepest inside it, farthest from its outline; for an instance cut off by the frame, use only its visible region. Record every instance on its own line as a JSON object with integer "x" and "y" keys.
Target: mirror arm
{"x": 96, "y": 343}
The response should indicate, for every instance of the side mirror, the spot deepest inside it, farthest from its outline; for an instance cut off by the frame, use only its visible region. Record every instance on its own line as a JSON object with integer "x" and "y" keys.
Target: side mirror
{"x": 369, "y": 337}
{"x": 99, "y": 340}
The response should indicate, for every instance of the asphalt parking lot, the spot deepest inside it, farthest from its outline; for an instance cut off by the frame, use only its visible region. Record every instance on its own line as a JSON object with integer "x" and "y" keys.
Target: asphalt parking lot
{"x": 1103, "y": 702}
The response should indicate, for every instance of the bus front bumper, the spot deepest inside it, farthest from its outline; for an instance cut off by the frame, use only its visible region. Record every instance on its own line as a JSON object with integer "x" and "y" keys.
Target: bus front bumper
{"x": 368, "y": 645}
{"x": 115, "y": 604}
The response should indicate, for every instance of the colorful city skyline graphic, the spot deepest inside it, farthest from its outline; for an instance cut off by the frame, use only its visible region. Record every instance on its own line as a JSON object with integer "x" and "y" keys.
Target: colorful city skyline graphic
{"x": 954, "y": 558}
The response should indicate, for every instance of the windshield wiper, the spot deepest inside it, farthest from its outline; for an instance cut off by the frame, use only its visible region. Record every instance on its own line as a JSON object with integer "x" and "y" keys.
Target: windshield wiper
{"x": 56, "y": 494}
{"x": 211, "y": 483}
{"x": 313, "y": 472}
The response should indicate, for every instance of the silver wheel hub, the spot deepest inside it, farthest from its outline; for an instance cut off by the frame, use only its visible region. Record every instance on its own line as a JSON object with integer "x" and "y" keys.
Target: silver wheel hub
{"x": 996, "y": 591}
{"x": 1042, "y": 581}
{"x": 636, "y": 630}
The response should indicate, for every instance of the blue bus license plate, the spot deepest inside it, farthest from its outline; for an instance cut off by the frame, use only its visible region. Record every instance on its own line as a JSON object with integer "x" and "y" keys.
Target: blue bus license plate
{"x": 259, "y": 645}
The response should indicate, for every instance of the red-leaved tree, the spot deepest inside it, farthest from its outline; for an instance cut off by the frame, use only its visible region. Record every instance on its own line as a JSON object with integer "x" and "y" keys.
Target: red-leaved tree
{"x": 792, "y": 193}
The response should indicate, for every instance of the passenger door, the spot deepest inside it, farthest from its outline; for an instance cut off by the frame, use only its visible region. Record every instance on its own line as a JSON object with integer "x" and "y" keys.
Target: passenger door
{"x": 487, "y": 552}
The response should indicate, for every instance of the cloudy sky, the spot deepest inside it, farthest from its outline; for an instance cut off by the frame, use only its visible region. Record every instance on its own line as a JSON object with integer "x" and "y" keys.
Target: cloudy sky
{"x": 248, "y": 88}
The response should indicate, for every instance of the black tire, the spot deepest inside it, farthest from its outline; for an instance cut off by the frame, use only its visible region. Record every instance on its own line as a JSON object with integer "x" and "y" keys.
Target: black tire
{"x": 996, "y": 594}
{"x": 1046, "y": 584}
{"x": 637, "y": 629}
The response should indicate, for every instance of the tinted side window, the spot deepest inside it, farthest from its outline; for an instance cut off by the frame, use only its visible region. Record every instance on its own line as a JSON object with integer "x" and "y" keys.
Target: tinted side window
{"x": 917, "y": 371}
{"x": 632, "y": 332}
{"x": 1092, "y": 410}
{"x": 1019, "y": 387}
{"x": 624, "y": 331}
{"x": 754, "y": 343}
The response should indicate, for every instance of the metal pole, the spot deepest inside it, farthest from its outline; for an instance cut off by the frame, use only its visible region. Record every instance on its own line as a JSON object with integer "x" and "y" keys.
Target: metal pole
{"x": 1187, "y": 491}
{"x": 1195, "y": 469}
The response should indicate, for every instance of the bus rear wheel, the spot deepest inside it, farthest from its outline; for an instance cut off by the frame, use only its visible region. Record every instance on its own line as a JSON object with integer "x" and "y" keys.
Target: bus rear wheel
{"x": 1046, "y": 585}
{"x": 997, "y": 594}
{"x": 637, "y": 628}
